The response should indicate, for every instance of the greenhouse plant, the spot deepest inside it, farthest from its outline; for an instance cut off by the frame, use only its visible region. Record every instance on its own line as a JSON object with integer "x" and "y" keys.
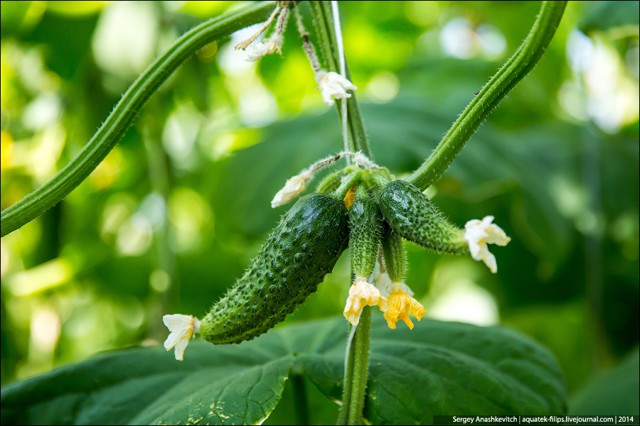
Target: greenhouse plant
{"x": 320, "y": 212}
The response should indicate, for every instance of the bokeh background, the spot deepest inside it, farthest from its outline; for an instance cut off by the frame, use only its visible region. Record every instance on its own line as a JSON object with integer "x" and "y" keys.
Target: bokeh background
{"x": 175, "y": 212}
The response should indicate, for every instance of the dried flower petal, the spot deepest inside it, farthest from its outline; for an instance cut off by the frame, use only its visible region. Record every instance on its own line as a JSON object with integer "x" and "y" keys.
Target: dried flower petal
{"x": 262, "y": 48}
{"x": 333, "y": 86}
{"x": 292, "y": 188}
{"x": 361, "y": 294}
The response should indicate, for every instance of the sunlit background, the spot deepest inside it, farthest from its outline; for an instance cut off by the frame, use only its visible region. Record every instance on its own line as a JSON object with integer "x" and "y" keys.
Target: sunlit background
{"x": 178, "y": 208}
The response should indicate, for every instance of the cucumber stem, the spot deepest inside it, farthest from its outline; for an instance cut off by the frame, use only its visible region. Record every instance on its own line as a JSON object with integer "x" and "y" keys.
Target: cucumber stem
{"x": 514, "y": 70}
{"x": 356, "y": 372}
{"x": 325, "y": 33}
{"x": 357, "y": 360}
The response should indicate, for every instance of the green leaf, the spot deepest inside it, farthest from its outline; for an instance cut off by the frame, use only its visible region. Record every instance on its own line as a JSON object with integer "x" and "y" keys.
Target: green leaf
{"x": 612, "y": 393}
{"x": 217, "y": 385}
{"x": 441, "y": 368}
{"x": 19, "y": 17}
{"x": 438, "y": 368}
{"x": 606, "y": 15}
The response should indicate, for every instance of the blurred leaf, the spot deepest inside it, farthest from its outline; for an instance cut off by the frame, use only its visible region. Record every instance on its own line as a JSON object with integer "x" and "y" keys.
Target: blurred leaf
{"x": 403, "y": 133}
{"x": 252, "y": 177}
{"x": 20, "y": 16}
{"x": 13, "y": 15}
{"x": 606, "y": 15}
{"x": 612, "y": 393}
{"x": 466, "y": 370}
{"x": 567, "y": 342}
{"x": 66, "y": 42}
{"x": 72, "y": 8}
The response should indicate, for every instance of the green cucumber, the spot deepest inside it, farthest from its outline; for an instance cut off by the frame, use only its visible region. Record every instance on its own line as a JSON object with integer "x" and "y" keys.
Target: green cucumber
{"x": 299, "y": 252}
{"x": 394, "y": 253}
{"x": 410, "y": 213}
{"x": 365, "y": 222}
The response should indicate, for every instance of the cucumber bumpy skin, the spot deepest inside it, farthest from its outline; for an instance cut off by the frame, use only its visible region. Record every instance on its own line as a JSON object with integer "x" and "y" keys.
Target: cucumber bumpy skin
{"x": 299, "y": 252}
{"x": 410, "y": 213}
{"x": 365, "y": 224}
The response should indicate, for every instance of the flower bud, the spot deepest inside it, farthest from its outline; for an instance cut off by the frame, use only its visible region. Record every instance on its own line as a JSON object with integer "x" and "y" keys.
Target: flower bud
{"x": 292, "y": 188}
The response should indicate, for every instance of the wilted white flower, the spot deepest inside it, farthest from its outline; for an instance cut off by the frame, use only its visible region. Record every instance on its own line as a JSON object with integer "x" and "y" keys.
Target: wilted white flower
{"x": 182, "y": 328}
{"x": 479, "y": 233}
{"x": 333, "y": 86}
{"x": 292, "y": 188}
{"x": 361, "y": 294}
{"x": 262, "y": 48}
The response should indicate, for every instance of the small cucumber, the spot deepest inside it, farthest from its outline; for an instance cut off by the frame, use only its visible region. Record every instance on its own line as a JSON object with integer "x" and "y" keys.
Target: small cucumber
{"x": 395, "y": 255}
{"x": 365, "y": 223}
{"x": 299, "y": 252}
{"x": 410, "y": 213}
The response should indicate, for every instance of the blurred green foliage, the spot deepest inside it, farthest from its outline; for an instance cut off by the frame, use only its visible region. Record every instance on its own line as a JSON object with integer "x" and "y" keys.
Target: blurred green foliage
{"x": 172, "y": 216}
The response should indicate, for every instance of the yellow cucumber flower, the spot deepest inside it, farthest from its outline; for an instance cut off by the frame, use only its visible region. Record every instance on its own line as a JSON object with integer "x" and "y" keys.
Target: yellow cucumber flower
{"x": 399, "y": 304}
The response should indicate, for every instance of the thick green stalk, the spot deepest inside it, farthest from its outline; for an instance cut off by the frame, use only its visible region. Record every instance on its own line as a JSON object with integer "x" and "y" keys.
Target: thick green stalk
{"x": 514, "y": 70}
{"x": 356, "y": 373}
{"x": 357, "y": 358}
{"x": 46, "y": 196}
{"x": 327, "y": 39}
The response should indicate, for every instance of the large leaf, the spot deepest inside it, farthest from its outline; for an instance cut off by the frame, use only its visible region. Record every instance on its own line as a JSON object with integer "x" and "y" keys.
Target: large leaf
{"x": 438, "y": 368}
{"x": 146, "y": 385}
{"x": 442, "y": 368}
{"x": 612, "y": 393}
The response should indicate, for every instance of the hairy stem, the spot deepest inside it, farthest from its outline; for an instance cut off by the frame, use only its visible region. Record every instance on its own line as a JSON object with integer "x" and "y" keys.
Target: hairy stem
{"x": 514, "y": 70}
{"x": 355, "y": 380}
{"x": 328, "y": 46}
{"x": 357, "y": 358}
{"x": 46, "y": 196}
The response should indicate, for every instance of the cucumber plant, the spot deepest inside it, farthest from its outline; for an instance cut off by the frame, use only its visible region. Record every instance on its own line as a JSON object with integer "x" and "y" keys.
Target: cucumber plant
{"x": 362, "y": 206}
{"x": 307, "y": 242}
